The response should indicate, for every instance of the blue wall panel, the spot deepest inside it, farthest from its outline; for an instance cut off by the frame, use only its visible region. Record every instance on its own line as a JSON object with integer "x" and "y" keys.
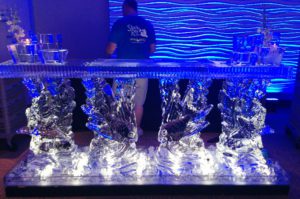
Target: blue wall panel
{"x": 194, "y": 29}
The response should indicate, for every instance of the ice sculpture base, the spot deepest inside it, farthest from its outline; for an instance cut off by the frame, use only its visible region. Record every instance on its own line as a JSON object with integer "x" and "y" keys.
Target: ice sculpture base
{"x": 92, "y": 184}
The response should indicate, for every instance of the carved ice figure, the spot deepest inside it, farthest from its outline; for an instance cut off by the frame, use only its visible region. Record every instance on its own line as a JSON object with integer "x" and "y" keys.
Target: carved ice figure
{"x": 111, "y": 118}
{"x": 49, "y": 124}
{"x": 240, "y": 145}
{"x": 181, "y": 150}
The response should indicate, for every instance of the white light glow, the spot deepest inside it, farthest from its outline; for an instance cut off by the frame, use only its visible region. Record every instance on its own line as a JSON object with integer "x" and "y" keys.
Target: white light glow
{"x": 272, "y": 99}
{"x": 27, "y": 41}
{"x": 47, "y": 171}
{"x": 141, "y": 164}
{"x": 177, "y": 161}
{"x": 81, "y": 166}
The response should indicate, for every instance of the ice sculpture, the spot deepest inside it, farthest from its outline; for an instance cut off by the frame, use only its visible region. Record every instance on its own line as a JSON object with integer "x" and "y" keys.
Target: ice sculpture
{"x": 112, "y": 119}
{"x": 49, "y": 123}
{"x": 181, "y": 150}
{"x": 112, "y": 156}
{"x": 240, "y": 145}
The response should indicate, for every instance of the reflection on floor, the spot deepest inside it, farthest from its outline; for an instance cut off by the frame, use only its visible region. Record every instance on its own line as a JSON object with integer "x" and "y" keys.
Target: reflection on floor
{"x": 279, "y": 146}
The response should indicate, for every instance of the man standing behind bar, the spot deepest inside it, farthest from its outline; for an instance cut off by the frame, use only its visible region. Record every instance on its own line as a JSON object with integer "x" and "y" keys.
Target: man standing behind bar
{"x": 133, "y": 37}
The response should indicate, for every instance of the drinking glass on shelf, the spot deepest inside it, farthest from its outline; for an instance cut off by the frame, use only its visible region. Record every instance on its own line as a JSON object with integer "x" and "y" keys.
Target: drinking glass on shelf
{"x": 23, "y": 53}
{"x": 50, "y": 41}
{"x": 53, "y": 56}
{"x": 253, "y": 58}
{"x": 241, "y": 57}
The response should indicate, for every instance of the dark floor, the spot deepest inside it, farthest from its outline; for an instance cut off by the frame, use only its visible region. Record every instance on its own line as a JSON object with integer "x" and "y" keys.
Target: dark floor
{"x": 279, "y": 146}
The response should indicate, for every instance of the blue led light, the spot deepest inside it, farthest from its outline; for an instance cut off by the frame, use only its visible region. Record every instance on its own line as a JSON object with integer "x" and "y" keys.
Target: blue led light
{"x": 272, "y": 99}
{"x": 191, "y": 30}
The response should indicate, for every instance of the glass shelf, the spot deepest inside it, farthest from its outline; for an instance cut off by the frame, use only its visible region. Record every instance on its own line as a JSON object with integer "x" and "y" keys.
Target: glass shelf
{"x": 112, "y": 68}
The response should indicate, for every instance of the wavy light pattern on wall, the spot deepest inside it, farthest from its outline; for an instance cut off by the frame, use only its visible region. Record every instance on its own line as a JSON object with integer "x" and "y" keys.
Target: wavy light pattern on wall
{"x": 198, "y": 29}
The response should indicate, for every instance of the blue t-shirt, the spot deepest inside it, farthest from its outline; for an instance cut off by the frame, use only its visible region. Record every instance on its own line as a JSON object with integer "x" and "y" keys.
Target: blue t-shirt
{"x": 133, "y": 36}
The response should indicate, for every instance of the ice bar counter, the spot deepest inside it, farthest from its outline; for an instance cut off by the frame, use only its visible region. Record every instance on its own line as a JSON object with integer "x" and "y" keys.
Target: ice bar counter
{"x": 112, "y": 164}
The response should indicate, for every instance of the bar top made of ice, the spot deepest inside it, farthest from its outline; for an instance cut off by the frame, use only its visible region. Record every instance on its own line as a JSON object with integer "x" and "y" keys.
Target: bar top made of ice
{"x": 150, "y": 68}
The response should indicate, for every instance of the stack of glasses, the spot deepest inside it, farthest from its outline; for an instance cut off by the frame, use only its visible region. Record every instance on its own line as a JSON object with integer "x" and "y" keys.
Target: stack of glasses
{"x": 44, "y": 48}
{"x": 257, "y": 49}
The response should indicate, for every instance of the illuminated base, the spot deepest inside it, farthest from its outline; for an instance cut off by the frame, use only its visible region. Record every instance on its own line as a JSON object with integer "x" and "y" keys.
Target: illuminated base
{"x": 95, "y": 186}
{"x": 18, "y": 183}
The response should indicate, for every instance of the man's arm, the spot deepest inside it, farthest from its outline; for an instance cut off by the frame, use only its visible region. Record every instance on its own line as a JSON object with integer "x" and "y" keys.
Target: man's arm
{"x": 114, "y": 37}
{"x": 152, "y": 38}
{"x": 110, "y": 49}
